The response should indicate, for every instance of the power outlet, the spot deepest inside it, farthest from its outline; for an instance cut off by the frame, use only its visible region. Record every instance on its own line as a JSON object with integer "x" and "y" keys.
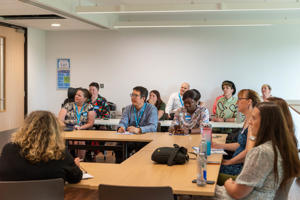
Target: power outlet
{"x": 101, "y": 85}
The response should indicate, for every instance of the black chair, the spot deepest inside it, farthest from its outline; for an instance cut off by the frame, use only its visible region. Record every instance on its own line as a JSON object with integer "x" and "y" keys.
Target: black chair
{"x": 51, "y": 189}
{"x": 71, "y": 96}
{"x": 112, "y": 192}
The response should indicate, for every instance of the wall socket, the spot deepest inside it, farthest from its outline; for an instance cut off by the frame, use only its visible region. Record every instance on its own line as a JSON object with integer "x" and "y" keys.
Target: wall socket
{"x": 101, "y": 85}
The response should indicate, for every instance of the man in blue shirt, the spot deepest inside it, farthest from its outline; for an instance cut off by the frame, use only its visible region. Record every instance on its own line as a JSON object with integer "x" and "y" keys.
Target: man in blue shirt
{"x": 139, "y": 117}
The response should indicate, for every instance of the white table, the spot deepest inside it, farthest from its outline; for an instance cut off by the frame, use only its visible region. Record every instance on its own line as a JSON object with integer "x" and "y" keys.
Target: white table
{"x": 115, "y": 122}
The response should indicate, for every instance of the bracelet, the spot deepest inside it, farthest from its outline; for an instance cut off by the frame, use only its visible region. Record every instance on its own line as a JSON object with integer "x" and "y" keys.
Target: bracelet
{"x": 251, "y": 137}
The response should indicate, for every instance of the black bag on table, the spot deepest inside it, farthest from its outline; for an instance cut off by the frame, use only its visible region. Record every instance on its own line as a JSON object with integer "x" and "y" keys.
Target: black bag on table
{"x": 170, "y": 155}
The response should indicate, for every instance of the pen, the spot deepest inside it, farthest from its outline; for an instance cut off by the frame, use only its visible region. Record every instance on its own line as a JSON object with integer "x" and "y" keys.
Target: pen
{"x": 84, "y": 171}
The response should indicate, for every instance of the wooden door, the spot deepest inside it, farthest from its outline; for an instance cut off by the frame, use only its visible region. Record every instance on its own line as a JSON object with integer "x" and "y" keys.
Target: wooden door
{"x": 13, "y": 114}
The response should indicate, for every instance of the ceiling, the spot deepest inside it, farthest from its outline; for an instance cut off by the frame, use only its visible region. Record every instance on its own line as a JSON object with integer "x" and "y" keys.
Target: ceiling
{"x": 118, "y": 14}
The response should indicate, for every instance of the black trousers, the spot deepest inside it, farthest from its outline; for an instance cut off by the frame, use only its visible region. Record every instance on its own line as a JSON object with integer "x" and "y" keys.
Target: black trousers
{"x": 131, "y": 146}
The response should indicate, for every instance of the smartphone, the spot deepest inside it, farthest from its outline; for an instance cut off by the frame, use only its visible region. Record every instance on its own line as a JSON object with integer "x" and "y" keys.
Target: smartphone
{"x": 207, "y": 182}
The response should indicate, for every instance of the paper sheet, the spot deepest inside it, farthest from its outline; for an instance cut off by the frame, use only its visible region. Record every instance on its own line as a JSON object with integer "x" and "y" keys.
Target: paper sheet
{"x": 86, "y": 176}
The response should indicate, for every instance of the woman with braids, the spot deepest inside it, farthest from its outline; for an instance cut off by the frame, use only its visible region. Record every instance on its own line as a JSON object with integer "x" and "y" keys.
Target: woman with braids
{"x": 37, "y": 151}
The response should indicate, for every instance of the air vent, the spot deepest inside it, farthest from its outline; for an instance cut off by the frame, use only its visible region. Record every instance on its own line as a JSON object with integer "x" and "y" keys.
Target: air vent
{"x": 20, "y": 17}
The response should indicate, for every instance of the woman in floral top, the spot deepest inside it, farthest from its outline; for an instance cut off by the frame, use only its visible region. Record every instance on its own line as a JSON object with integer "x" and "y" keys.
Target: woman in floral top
{"x": 191, "y": 116}
{"x": 78, "y": 114}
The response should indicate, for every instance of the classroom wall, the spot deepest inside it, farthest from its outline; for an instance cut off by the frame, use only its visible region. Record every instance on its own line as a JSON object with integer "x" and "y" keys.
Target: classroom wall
{"x": 163, "y": 58}
{"x": 37, "y": 90}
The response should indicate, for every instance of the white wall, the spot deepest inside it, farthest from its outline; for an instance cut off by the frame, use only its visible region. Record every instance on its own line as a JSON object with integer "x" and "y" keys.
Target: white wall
{"x": 163, "y": 58}
{"x": 36, "y": 50}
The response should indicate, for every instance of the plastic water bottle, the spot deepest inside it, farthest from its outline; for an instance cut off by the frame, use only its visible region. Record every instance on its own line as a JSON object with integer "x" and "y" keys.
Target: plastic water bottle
{"x": 201, "y": 163}
{"x": 207, "y": 129}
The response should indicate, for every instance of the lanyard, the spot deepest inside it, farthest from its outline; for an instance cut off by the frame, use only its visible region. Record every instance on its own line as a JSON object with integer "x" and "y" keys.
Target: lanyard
{"x": 137, "y": 121}
{"x": 180, "y": 99}
{"x": 78, "y": 114}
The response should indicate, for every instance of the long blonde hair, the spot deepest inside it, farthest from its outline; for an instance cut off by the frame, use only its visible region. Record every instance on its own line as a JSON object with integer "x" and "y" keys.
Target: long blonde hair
{"x": 40, "y": 138}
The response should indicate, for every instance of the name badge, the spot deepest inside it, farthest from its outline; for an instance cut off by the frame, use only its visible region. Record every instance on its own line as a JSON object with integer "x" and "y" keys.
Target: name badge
{"x": 188, "y": 117}
{"x": 84, "y": 114}
{"x": 96, "y": 107}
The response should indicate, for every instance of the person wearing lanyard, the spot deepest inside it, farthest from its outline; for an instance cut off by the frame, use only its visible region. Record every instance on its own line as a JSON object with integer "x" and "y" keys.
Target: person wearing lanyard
{"x": 79, "y": 114}
{"x": 139, "y": 117}
{"x": 175, "y": 100}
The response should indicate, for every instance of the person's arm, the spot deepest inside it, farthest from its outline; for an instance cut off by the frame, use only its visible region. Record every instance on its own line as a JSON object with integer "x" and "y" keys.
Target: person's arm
{"x": 160, "y": 113}
{"x": 72, "y": 170}
{"x": 240, "y": 158}
{"x": 104, "y": 110}
{"x": 237, "y": 191}
{"x": 230, "y": 120}
{"x": 174, "y": 122}
{"x": 169, "y": 106}
{"x": 90, "y": 122}
{"x": 151, "y": 121}
{"x": 125, "y": 119}
{"x": 228, "y": 146}
{"x": 62, "y": 115}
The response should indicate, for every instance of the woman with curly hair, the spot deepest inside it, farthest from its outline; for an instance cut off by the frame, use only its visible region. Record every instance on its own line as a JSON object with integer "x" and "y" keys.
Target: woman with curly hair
{"x": 37, "y": 151}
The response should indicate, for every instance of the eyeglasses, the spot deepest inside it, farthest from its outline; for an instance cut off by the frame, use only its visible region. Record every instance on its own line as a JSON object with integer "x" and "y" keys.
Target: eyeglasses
{"x": 134, "y": 95}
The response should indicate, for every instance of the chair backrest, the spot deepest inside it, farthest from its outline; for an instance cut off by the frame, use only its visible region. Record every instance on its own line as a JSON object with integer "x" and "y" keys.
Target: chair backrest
{"x": 5, "y": 137}
{"x": 111, "y": 192}
{"x": 52, "y": 189}
{"x": 283, "y": 191}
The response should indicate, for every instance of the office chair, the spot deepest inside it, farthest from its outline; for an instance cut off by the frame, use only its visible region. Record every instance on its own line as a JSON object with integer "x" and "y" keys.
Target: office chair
{"x": 51, "y": 189}
{"x": 111, "y": 192}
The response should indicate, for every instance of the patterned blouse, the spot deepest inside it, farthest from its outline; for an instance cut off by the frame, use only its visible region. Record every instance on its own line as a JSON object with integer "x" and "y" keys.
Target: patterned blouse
{"x": 201, "y": 115}
{"x": 258, "y": 173}
{"x": 100, "y": 107}
{"x": 71, "y": 116}
{"x": 226, "y": 108}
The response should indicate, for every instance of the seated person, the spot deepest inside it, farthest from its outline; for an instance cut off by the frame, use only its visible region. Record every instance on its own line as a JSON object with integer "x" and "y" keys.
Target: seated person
{"x": 247, "y": 99}
{"x": 37, "y": 151}
{"x": 99, "y": 103}
{"x": 226, "y": 107}
{"x": 266, "y": 91}
{"x": 154, "y": 99}
{"x": 78, "y": 114}
{"x": 265, "y": 170}
{"x": 190, "y": 116}
{"x": 175, "y": 100}
{"x": 139, "y": 117}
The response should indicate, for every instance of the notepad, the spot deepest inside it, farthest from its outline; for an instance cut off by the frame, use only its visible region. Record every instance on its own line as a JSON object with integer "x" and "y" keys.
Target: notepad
{"x": 86, "y": 176}
{"x": 125, "y": 133}
{"x": 213, "y": 151}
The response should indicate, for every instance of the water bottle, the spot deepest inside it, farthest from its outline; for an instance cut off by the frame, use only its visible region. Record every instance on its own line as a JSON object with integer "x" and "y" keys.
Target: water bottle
{"x": 207, "y": 129}
{"x": 201, "y": 163}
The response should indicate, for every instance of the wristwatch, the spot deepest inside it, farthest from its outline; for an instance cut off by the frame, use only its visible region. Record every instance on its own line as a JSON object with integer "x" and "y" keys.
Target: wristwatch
{"x": 251, "y": 137}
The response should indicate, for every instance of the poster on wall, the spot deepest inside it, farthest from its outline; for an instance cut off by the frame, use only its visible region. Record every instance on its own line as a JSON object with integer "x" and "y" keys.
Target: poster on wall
{"x": 63, "y": 73}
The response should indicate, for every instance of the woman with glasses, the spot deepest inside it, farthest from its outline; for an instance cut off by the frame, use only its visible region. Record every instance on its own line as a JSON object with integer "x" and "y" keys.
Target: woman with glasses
{"x": 271, "y": 164}
{"x": 187, "y": 120}
{"x": 247, "y": 99}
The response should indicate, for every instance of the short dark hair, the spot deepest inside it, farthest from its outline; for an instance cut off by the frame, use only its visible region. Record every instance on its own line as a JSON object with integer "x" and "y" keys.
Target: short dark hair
{"x": 191, "y": 94}
{"x": 143, "y": 91}
{"x": 230, "y": 84}
{"x": 85, "y": 92}
{"x": 94, "y": 84}
{"x": 198, "y": 97}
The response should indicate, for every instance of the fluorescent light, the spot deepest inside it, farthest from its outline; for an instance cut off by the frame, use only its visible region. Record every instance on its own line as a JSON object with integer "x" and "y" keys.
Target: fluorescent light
{"x": 189, "y": 26}
{"x": 55, "y": 25}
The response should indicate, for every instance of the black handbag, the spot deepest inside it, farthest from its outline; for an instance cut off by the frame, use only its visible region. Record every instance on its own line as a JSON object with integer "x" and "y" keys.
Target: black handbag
{"x": 170, "y": 155}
